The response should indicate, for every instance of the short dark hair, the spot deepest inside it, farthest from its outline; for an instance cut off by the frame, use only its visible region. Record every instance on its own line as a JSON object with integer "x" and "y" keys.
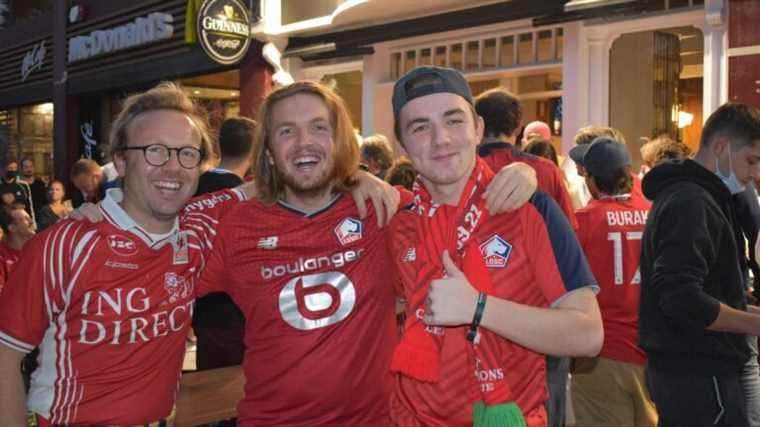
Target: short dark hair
{"x": 740, "y": 123}
{"x": 620, "y": 182}
{"x": 236, "y": 137}
{"x": 500, "y": 110}
{"x": 542, "y": 148}
{"x": 376, "y": 147}
{"x": 401, "y": 173}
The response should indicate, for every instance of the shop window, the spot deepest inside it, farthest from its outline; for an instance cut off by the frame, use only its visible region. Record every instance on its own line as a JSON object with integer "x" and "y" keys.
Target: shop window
{"x": 525, "y": 53}
{"x": 456, "y": 60}
{"x": 349, "y": 86}
{"x": 426, "y": 57}
{"x": 473, "y": 55}
{"x": 410, "y": 60}
{"x": 440, "y": 56}
{"x": 488, "y": 59}
{"x": 559, "y": 42}
{"x": 28, "y": 132}
{"x": 507, "y": 52}
{"x": 396, "y": 70}
{"x": 545, "y": 46}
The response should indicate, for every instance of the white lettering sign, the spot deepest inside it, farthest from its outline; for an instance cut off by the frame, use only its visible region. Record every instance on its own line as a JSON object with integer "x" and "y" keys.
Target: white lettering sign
{"x": 154, "y": 27}
{"x": 33, "y": 60}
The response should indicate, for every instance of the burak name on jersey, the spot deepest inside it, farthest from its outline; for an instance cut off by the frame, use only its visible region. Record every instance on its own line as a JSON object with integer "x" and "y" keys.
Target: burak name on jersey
{"x": 622, "y": 218}
{"x": 336, "y": 260}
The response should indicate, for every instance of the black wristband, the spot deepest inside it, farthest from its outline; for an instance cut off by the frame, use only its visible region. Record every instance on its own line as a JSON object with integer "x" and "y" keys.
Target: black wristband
{"x": 480, "y": 307}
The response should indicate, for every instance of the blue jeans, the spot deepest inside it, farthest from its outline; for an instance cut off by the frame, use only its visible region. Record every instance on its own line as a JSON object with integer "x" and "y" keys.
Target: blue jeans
{"x": 750, "y": 380}
{"x": 556, "y": 380}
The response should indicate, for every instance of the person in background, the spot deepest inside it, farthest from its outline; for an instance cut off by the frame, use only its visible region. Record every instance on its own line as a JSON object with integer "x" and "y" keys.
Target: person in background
{"x": 218, "y": 323}
{"x": 37, "y": 187}
{"x": 502, "y": 113}
{"x": 694, "y": 318}
{"x": 20, "y": 189}
{"x": 401, "y": 173}
{"x": 660, "y": 149}
{"x": 18, "y": 228}
{"x": 92, "y": 181}
{"x": 610, "y": 390}
{"x": 534, "y": 129}
{"x": 55, "y": 209}
{"x": 376, "y": 153}
{"x": 538, "y": 146}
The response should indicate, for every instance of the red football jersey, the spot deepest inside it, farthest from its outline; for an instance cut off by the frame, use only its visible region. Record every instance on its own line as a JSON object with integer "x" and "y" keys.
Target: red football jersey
{"x": 317, "y": 293}
{"x": 610, "y": 234}
{"x": 550, "y": 178}
{"x": 8, "y": 259}
{"x": 534, "y": 259}
{"x": 109, "y": 306}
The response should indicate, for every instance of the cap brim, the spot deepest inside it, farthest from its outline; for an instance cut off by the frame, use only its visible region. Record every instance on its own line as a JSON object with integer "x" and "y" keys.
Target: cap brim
{"x": 578, "y": 152}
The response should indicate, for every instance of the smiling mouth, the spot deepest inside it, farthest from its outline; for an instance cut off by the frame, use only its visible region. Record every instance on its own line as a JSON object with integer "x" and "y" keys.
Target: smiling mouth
{"x": 167, "y": 186}
{"x": 306, "y": 162}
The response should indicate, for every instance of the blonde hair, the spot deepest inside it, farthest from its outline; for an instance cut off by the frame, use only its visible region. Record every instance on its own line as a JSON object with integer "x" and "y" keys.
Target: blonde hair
{"x": 165, "y": 96}
{"x": 346, "y": 146}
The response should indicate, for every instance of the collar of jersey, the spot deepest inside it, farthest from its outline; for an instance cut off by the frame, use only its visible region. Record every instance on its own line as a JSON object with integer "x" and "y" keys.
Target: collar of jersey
{"x": 327, "y": 206}
{"x": 113, "y": 213}
{"x": 615, "y": 197}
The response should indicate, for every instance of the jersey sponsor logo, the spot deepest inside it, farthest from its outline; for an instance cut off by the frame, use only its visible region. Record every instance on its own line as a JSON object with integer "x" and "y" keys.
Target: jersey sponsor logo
{"x": 410, "y": 255}
{"x": 302, "y": 265}
{"x": 126, "y": 316}
{"x": 121, "y": 245}
{"x": 496, "y": 252}
{"x": 268, "y": 242}
{"x": 317, "y": 300}
{"x": 181, "y": 250}
{"x": 122, "y": 265}
{"x": 207, "y": 203}
{"x": 177, "y": 287}
{"x": 348, "y": 231}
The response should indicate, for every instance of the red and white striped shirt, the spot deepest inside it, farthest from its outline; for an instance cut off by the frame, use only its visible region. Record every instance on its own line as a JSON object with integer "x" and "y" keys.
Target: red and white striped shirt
{"x": 109, "y": 305}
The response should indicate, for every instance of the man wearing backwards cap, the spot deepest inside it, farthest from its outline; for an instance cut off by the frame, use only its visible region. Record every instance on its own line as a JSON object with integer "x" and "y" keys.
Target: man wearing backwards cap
{"x": 520, "y": 275}
{"x": 610, "y": 390}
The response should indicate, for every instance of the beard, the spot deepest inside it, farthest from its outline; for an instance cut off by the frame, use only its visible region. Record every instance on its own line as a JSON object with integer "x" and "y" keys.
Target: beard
{"x": 317, "y": 187}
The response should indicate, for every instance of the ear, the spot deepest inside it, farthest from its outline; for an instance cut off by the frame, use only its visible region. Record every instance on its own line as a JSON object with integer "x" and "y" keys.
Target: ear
{"x": 479, "y": 128}
{"x": 120, "y": 163}
{"x": 400, "y": 150}
{"x": 719, "y": 145}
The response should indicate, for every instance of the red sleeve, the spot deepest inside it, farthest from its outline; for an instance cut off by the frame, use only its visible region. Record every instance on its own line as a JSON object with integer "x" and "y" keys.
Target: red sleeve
{"x": 202, "y": 214}
{"x": 212, "y": 277}
{"x": 550, "y": 181}
{"x": 407, "y": 196}
{"x": 545, "y": 269}
{"x": 35, "y": 289}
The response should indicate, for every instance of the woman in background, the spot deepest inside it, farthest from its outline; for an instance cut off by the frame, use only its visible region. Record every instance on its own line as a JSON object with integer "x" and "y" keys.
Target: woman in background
{"x": 56, "y": 209}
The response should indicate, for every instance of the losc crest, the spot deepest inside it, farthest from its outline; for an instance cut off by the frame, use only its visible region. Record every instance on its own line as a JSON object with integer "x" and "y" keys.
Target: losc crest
{"x": 224, "y": 30}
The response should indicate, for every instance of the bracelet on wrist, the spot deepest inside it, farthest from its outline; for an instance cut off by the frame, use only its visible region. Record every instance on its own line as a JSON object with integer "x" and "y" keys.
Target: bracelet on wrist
{"x": 480, "y": 307}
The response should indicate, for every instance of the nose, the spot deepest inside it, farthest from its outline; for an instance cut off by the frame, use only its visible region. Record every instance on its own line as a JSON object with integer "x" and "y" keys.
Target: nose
{"x": 440, "y": 136}
{"x": 173, "y": 162}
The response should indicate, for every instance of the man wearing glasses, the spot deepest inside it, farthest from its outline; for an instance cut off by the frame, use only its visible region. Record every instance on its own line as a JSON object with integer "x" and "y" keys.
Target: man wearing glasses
{"x": 109, "y": 304}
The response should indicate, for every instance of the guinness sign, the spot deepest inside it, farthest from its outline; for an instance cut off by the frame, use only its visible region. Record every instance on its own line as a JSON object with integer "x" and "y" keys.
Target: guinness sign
{"x": 224, "y": 30}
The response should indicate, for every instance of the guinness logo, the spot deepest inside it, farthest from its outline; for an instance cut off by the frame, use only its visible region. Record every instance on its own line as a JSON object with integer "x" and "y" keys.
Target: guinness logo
{"x": 224, "y": 30}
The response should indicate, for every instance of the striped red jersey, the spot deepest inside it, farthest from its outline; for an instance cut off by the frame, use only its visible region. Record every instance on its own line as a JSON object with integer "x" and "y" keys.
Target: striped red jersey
{"x": 610, "y": 233}
{"x": 109, "y": 306}
{"x": 317, "y": 294}
{"x": 8, "y": 259}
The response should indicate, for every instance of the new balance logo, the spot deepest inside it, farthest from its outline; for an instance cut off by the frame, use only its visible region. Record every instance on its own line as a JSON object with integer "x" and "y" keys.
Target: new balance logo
{"x": 411, "y": 255}
{"x": 268, "y": 242}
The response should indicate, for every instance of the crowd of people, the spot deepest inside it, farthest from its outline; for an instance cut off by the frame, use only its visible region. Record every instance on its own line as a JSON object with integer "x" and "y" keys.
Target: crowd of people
{"x": 462, "y": 276}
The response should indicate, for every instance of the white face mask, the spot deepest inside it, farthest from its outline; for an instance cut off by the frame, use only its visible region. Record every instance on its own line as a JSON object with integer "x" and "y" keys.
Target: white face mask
{"x": 731, "y": 181}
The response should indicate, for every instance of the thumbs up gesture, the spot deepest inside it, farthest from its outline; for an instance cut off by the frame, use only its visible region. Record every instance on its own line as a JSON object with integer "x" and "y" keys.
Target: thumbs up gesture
{"x": 451, "y": 300}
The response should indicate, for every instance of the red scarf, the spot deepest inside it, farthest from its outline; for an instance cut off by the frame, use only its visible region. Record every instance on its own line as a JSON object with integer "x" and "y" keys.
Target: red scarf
{"x": 418, "y": 353}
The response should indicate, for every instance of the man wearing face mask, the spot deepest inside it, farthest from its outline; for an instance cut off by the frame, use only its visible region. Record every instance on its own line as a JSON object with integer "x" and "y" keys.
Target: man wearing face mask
{"x": 20, "y": 189}
{"x": 693, "y": 317}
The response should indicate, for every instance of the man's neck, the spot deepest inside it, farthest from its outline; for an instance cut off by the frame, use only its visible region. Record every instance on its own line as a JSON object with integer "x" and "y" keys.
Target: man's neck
{"x": 447, "y": 194}
{"x": 149, "y": 223}
{"x": 28, "y": 178}
{"x": 308, "y": 202}
{"x": 235, "y": 166}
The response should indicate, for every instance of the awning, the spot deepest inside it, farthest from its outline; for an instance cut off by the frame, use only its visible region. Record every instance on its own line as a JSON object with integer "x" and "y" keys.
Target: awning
{"x": 574, "y": 5}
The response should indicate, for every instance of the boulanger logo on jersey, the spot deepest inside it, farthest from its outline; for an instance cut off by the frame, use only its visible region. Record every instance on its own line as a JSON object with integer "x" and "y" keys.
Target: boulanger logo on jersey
{"x": 317, "y": 300}
{"x": 224, "y": 30}
{"x": 496, "y": 252}
{"x": 348, "y": 231}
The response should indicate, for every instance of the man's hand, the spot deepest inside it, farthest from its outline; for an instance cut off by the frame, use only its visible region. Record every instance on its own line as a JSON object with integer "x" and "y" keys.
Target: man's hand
{"x": 87, "y": 211}
{"x": 510, "y": 188}
{"x": 451, "y": 301}
{"x": 757, "y": 247}
{"x": 384, "y": 197}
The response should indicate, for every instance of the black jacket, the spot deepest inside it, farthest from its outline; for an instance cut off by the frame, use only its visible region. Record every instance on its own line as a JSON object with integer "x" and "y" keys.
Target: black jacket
{"x": 689, "y": 265}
